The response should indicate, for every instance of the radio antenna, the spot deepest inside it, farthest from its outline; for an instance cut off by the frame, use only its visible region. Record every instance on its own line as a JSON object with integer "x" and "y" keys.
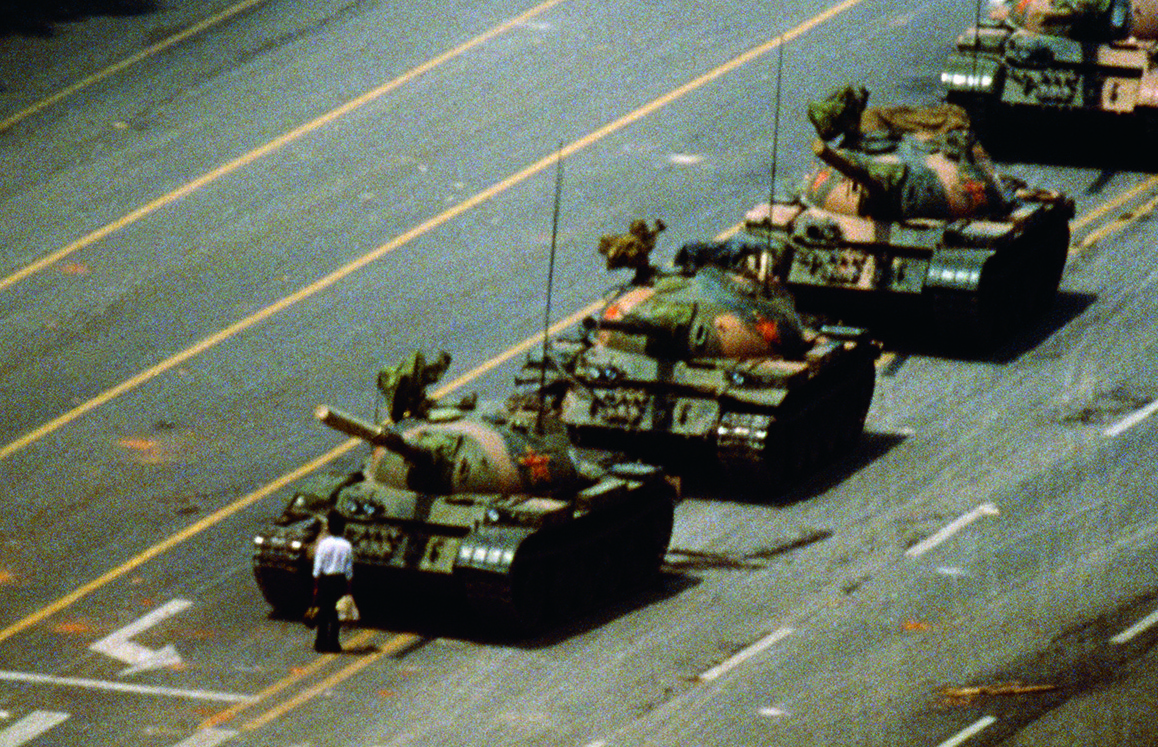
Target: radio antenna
{"x": 550, "y": 285}
{"x": 974, "y": 84}
{"x": 776, "y": 127}
{"x": 764, "y": 260}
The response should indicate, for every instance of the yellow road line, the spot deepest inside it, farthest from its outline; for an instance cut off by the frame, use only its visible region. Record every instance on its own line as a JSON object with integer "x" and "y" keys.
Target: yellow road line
{"x": 397, "y": 644}
{"x": 282, "y": 684}
{"x": 176, "y": 539}
{"x": 1079, "y": 223}
{"x": 248, "y": 500}
{"x": 1115, "y": 225}
{"x": 128, "y": 62}
{"x": 270, "y": 147}
{"x": 423, "y": 228}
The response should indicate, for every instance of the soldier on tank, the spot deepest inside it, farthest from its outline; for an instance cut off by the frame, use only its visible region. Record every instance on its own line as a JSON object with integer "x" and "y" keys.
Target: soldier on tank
{"x": 901, "y": 162}
{"x": 633, "y": 250}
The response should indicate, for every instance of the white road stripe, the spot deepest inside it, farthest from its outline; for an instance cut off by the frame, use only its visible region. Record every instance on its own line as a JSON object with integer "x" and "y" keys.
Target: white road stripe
{"x": 1131, "y": 420}
{"x": 30, "y": 727}
{"x": 985, "y": 509}
{"x": 968, "y": 732}
{"x": 208, "y": 738}
{"x": 1136, "y": 628}
{"x": 124, "y": 687}
{"x": 138, "y": 657}
{"x": 746, "y": 654}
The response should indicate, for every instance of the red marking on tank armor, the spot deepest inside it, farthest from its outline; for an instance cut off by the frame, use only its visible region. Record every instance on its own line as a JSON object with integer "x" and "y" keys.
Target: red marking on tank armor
{"x": 768, "y": 330}
{"x": 536, "y": 465}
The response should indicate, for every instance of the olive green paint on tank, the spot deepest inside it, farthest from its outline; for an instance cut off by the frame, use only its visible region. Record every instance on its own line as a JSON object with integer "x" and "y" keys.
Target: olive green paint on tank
{"x": 1091, "y": 56}
{"x": 707, "y": 372}
{"x": 906, "y": 218}
{"x": 471, "y": 506}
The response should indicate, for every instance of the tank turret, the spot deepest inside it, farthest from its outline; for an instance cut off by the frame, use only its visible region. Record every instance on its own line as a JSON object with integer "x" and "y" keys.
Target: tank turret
{"x": 905, "y": 220}
{"x": 472, "y": 509}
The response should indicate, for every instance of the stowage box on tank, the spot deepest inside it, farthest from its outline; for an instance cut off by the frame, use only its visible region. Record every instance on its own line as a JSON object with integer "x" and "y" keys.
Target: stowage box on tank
{"x": 905, "y": 219}
{"x": 1075, "y": 55}
{"x": 706, "y": 372}
{"x": 501, "y": 518}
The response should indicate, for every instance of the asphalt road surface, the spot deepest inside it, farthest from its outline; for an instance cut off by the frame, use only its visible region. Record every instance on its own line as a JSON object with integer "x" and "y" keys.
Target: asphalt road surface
{"x": 216, "y": 215}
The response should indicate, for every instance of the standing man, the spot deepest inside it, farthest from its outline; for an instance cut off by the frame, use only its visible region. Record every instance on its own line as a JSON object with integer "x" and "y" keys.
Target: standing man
{"x": 333, "y": 571}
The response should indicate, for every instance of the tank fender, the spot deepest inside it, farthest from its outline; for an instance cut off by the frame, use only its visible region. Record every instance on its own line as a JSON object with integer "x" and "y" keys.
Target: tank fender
{"x": 970, "y": 74}
{"x": 845, "y": 333}
{"x": 491, "y": 549}
{"x": 957, "y": 268}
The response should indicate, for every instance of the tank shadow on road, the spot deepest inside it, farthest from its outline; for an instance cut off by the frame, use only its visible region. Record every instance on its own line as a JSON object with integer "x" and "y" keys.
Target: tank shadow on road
{"x": 1053, "y": 138}
{"x": 1016, "y": 343}
{"x": 35, "y": 18}
{"x": 432, "y": 616}
{"x": 814, "y": 482}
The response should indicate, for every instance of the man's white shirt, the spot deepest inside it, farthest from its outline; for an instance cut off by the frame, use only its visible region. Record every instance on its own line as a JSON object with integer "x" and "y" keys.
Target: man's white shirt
{"x": 334, "y": 555}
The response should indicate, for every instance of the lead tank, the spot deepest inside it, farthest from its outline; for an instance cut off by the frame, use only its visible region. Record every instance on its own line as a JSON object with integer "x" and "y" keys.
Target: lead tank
{"x": 451, "y": 505}
{"x": 1093, "y": 56}
{"x": 704, "y": 371}
{"x": 905, "y": 219}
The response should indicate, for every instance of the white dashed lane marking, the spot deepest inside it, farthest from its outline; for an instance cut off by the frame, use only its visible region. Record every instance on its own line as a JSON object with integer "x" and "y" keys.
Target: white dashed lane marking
{"x": 985, "y": 509}
{"x": 1136, "y": 628}
{"x": 1131, "y": 420}
{"x": 746, "y": 654}
{"x": 968, "y": 732}
{"x": 30, "y": 727}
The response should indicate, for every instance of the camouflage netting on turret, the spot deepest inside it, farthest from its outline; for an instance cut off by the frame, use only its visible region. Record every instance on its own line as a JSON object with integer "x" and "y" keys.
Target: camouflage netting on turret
{"x": 900, "y": 162}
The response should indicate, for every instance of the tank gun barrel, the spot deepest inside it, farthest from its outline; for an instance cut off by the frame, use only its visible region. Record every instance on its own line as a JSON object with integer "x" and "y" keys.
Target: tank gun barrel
{"x": 379, "y": 435}
{"x": 630, "y": 326}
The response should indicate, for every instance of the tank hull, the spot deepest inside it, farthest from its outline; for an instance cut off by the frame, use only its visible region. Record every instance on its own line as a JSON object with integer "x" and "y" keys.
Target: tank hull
{"x": 976, "y": 281}
{"x": 1001, "y": 74}
{"x": 513, "y": 577}
{"x": 758, "y": 423}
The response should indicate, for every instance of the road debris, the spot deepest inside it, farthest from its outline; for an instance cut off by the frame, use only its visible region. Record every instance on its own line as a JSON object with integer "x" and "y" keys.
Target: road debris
{"x": 966, "y": 695}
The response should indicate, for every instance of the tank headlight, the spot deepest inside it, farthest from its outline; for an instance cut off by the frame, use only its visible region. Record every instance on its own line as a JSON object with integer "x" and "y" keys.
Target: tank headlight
{"x": 259, "y": 540}
{"x": 295, "y": 545}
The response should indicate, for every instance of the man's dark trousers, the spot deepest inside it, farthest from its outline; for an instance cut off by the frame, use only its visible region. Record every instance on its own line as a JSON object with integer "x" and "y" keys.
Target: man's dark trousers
{"x": 331, "y": 587}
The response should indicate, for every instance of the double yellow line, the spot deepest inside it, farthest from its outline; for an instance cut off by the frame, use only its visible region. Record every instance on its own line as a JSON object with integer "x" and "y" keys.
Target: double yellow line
{"x": 395, "y": 646}
{"x": 336, "y": 276}
{"x": 1117, "y": 223}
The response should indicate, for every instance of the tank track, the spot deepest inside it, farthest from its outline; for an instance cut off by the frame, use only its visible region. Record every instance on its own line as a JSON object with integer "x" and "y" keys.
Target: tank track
{"x": 567, "y": 569}
{"x": 1019, "y": 283}
{"x": 765, "y": 452}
